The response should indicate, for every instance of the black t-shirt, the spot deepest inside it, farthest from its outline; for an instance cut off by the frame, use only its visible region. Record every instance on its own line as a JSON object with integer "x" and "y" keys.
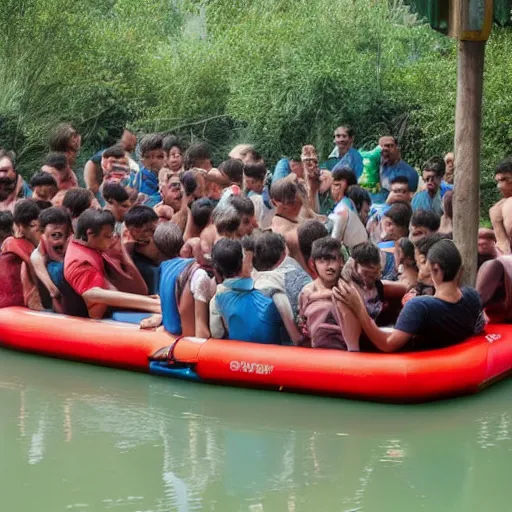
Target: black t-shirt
{"x": 435, "y": 323}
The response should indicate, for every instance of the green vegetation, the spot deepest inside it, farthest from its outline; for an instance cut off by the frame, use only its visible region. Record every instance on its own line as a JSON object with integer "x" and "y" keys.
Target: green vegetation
{"x": 275, "y": 73}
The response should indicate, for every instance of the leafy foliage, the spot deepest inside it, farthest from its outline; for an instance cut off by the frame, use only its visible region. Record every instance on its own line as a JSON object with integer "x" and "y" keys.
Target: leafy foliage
{"x": 278, "y": 74}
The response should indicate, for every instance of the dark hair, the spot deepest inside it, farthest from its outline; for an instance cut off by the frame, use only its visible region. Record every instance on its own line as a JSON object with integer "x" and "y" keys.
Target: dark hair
{"x": 325, "y": 247}
{"x": 359, "y": 196}
{"x": 233, "y": 169}
{"x": 254, "y": 155}
{"x": 268, "y": 250}
{"x": 189, "y": 182}
{"x": 350, "y": 131}
{"x": 168, "y": 239}
{"x": 284, "y": 191}
{"x": 196, "y": 152}
{"x": 93, "y": 220}
{"x": 150, "y": 142}
{"x": 54, "y": 215}
{"x": 423, "y": 245}
{"x": 56, "y": 160}
{"x": 243, "y": 205}
{"x": 400, "y": 213}
{"x": 400, "y": 179}
{"x": 407, "y": 247}
{"x": 11, "y": 155}
{"x": 25, "y": 212}
{"x": 77, "y": 200}
{"x": 435, "y": 164}
{"x": 345, "y": 173}
{"x": 201, "y": 212}
{"x": 114, "y": 192}
{"x": 171, "y": 141}
{"x": 448, "y": 204}
{"x": 228, "y": 257}
{"x": 116, "y": 151}
{"x": 40, "y": 179}
{"x": 366, "y": 254}
{"x": 395, "y": 140}
{"x": 426, "y": 219}
{"x": 307, "y": 233}
{"x": 43, "y": 205}
{"x": 61, "y": 137}
{"x": 140, "y": 215}
{"x": 248, "y": 243}
{"x": 504, "y": 167}
{"x": 226, "y": 218}
{"x": 445, "y": 254}
{"x": 256, "y": 171}
{"x": 6, "y": 221}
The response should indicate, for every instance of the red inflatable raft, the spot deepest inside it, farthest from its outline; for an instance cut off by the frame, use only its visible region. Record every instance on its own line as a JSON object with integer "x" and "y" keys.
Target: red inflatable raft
{"x": 408, "y": 377}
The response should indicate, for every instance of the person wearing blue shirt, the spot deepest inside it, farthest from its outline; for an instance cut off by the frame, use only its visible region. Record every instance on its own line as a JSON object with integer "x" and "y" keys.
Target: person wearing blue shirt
{"x": 287, "y": 166}
{"x": 430, "y": 199}
{"x": 238, "y": 311}
{"x": 392, "y": 166}
{"x": 152, "y": 159}
{"x": 344, "y": 155}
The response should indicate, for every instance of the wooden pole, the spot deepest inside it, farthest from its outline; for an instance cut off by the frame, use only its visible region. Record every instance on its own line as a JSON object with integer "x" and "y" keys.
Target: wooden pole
{"x": 468, "y": 120}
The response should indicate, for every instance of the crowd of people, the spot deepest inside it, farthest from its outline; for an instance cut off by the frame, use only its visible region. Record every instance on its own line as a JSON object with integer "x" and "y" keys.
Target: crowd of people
{"x": 302, "y": 255}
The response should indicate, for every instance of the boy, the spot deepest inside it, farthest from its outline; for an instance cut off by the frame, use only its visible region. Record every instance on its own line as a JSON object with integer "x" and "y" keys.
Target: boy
{"x": 288, "y": 204}
{"x": 118, "y": 202}
{"x": 423, "y": 223}
{"x": 347, "y": 226}
{"x": 44, "y": 187}
{"x": 273, "y": 266}
{"x": 58, "y": 166}
{"x": 173, "y": 150}
{"x": 48, "y": 258}
{"x": 17, "y": 286}
{"x": 237, "y": 307}
{"x": 185, "y": 288}
{"x": 449, "y": 317}
{"x": 90, "y": 273}
{"x": 255, "y": 175}
{"x": 197, "y": 156}
{"x": 141, "y": 222}
{"x": 430, "y": 199}
{"x": 152, "y": 158}
{"x": 76, "y": 201}
{"x": 324, "y": 325}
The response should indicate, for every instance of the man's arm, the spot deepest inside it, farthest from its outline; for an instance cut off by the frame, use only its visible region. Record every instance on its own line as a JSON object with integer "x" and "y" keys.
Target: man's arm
{"x": 38, "y": 264}
{"x": 217, "y": 328}
{"x": 90, "y": 177}
{"x": 384, "y": 341}
{"x": 202, "y": 318}
{"x": 98, "y": 299}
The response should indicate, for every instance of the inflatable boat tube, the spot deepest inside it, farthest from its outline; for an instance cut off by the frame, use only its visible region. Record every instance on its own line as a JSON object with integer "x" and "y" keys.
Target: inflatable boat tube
{"x": 408, "y": 377}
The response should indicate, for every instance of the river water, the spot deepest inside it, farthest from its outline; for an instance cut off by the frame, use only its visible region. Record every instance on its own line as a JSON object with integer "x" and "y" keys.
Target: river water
{"x": 80, "y": 438}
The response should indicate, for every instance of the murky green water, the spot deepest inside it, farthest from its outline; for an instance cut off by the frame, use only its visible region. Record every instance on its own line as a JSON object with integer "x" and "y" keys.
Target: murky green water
{"x": 80, "y": 438}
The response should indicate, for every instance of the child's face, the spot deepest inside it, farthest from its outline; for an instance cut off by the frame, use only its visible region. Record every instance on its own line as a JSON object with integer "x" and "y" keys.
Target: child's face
{"x": 154, "y": 160}
{"x": 391, "y": 231}
{"x": 369, "y": 274}
{"x": 423, "y": 266}
{"x": 119, "y": 209}
{"x": 31, "y": 232}
{"x": 174, "y": 159}
{"x": 103, "y": 240}
{"x": 329, "y": 269}
{"x": 57, "y": 237}
{"x": 143, "y": 235}
{"x": 247, "y": 225}
{"x": 45, "y": 192}
{"x": 254, "y": 185}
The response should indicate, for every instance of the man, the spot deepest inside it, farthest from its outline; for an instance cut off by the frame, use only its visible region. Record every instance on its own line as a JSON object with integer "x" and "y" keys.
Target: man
{"x": 89, "y": 273}
{"x": 487, "y": 249}
{"x": 449, "y": 317}
{"x": 12, "y": 185}
{"x": 392, "y": 166}
{"x": 344, "y": 155}
{"x": 501, "y": 212}
{"x": 430, "y": 199}
{"x": 93, "y": 174}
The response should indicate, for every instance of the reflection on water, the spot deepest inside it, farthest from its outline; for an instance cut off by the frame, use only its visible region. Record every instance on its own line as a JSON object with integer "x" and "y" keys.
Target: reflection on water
{"x": 80, "y": 438}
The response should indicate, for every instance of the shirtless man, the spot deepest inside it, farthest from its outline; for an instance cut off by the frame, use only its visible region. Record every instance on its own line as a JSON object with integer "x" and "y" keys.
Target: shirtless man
{"x": 501, "y": 212}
